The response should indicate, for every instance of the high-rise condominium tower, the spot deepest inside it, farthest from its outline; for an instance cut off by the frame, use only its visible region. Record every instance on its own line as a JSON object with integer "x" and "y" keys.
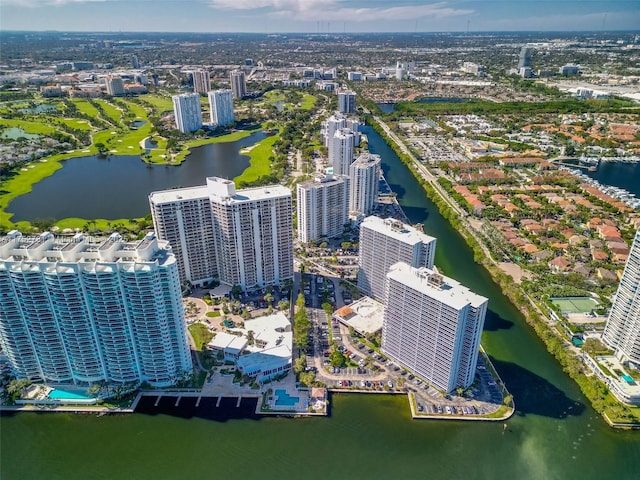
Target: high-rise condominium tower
{"x": 238, "y": 84}
{"x": 524, "y": 59}
{"x": 622, "y": 331}
{"x": 322, "y": 207}
{"x": 201, "y": 81}
{"x": 347, "y": 102}
{"x": 432, "y": 326}
{"x": 82, "y": 312}
{"x": 365, "y": 177}
{"x": 186, "y": 108}
{"x": 243, "y": 237}
{"x": 341, "y": 148}
{"x": 384, "y": 243}
{"x": 183, "y": 218}
{"x": 331, "y": 125}
{"x": 115, "y": 85}
{"x": 253, "y": 233}
{"x": 221, "y": 107}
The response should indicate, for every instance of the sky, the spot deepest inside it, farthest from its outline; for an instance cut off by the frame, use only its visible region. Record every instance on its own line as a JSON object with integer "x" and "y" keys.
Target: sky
{"x": 334, "y": 16}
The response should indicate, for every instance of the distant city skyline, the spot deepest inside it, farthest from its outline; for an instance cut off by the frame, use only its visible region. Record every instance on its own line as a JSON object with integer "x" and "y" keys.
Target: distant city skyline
{"x": 319, "y": 16}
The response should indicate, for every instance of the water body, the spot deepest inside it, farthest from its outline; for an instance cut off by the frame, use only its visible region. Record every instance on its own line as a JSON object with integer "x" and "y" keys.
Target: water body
{"x": 387, "y": 107}
{"x": 118, "y": 186}
{"x": 554, "y": 434}
{"x": 13, "y": 133}
{"x": 42, "y": 108}
{"x": 391, "y": 107}
{"x": 619, "y": 174}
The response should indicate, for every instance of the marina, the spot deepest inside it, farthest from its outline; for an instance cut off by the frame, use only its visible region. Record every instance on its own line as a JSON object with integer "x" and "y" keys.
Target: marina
{"x": 618, "y": 193}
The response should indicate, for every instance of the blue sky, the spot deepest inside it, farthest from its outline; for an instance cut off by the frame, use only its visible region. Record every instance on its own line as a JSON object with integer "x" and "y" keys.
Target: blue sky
{"x": 271, "y": 16}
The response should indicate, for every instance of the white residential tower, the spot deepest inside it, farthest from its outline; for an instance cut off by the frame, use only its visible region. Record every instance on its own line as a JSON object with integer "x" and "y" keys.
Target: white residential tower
{"x": 322, "y": 207}
{"x": 77, "y": 311}
{"x": 432, "y": 326}
{"x": 384, "y": 242}
{"x": 221, "y": 107}
{"x": 186, "y": 108}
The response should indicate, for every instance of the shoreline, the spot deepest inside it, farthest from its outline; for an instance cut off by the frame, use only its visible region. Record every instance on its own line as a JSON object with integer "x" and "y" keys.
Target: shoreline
{"x": 23, "y": 181}
{"x": 104, "y": 410}
{"x": 531, "y": 313}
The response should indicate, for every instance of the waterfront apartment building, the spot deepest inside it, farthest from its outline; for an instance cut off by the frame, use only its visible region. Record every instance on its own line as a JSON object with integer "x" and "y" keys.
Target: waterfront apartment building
{"x": 201, "y": 81}
{"x": 187, "y": 111}
{"x": 183, "y": 218}
{"x": 331, "y": 125}
{"x": 115, "y": 86}
{"x": 242, "y": 237}
{"x": 354, "y": 124}
{"x": 347, "y": 102}
{"x": 622, "y": 331}
{"x": 364, "y": 173}
{"x": 432, "y": 326}
{"x": 253, "y": 233}
{"x": 238, "y": 84}
{"x": 322, "y": 206}
{"x": 385, "y": 242}
{"x": 221, "y": 107}
{"x": 341, "y": 151}
{"x": 78, "y": 311}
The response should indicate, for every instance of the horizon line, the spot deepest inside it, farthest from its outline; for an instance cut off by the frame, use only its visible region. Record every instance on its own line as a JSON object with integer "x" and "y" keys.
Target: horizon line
{"x": 3, "y": 31}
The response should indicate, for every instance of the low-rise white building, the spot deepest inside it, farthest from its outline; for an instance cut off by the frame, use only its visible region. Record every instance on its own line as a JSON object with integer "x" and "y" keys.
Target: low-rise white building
{"x": 269, "y": 351}
{"x": 261, "y": 350}
{"x": 230, "y": 345}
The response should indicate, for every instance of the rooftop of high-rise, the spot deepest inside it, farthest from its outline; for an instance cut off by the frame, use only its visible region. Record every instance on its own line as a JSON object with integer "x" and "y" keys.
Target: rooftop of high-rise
{"x": 48, "y": 248}
{"x": 437, "y": 286}
{"x": 396, "y": 229}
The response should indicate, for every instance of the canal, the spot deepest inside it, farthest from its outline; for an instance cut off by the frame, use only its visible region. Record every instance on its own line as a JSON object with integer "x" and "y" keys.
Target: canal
{"x": 554, "y": 434}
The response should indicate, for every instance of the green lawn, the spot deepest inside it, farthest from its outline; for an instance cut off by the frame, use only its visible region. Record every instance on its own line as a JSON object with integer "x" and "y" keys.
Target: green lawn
{"x": 138, "y": 110}
{"x": 273, "y": 96}
{"x": 159, "y": 154}
{"x": 123, "y": 141}
{"x": 28, "y": 126}
{"x": 114, "y": 114}
{"x": 85, "y": 107}
{"x": 260, "y": 164}
{"x": 160, "y": 104}
{"x": 201, "y": 334}
{"x": 78, "y": 124}
{"x": 98, "y": 223}
{"x": 308, "y": 102}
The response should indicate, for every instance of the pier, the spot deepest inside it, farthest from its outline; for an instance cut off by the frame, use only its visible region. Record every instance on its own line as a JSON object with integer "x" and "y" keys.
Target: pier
{"x": 591, "y": 168}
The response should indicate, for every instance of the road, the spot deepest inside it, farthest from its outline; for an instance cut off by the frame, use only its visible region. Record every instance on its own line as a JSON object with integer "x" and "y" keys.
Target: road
{"x": 424, "y": 172}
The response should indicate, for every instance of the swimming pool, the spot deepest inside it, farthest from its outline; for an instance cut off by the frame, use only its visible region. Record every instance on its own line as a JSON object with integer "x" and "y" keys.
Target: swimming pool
{"x": 65, "y": 395}
{"x": 283, "y": 399}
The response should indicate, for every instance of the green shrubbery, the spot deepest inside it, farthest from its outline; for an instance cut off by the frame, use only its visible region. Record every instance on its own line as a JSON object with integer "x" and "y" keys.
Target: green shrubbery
{"x": 595, "y": 390}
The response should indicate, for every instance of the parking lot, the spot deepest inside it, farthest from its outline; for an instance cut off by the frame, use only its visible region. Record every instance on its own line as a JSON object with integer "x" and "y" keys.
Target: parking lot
{"x": 369, "y": 371}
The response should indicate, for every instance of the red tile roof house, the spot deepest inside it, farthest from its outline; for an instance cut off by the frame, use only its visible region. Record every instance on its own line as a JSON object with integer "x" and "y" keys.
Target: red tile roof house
{"x": 559, "y": 264}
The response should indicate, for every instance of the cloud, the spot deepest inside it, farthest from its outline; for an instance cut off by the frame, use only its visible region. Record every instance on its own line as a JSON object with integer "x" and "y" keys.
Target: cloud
{"x": 278, "y": 5}
{"x": 45, "y": 3}
{"x": 312, "y": 10}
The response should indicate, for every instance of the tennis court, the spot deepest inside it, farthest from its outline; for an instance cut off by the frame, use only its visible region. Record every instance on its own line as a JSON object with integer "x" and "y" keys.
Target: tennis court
{"x": 575, "y": 304}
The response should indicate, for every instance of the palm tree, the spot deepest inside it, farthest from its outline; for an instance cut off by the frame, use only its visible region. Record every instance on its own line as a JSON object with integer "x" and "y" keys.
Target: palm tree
{"x": 268, "y": 297}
